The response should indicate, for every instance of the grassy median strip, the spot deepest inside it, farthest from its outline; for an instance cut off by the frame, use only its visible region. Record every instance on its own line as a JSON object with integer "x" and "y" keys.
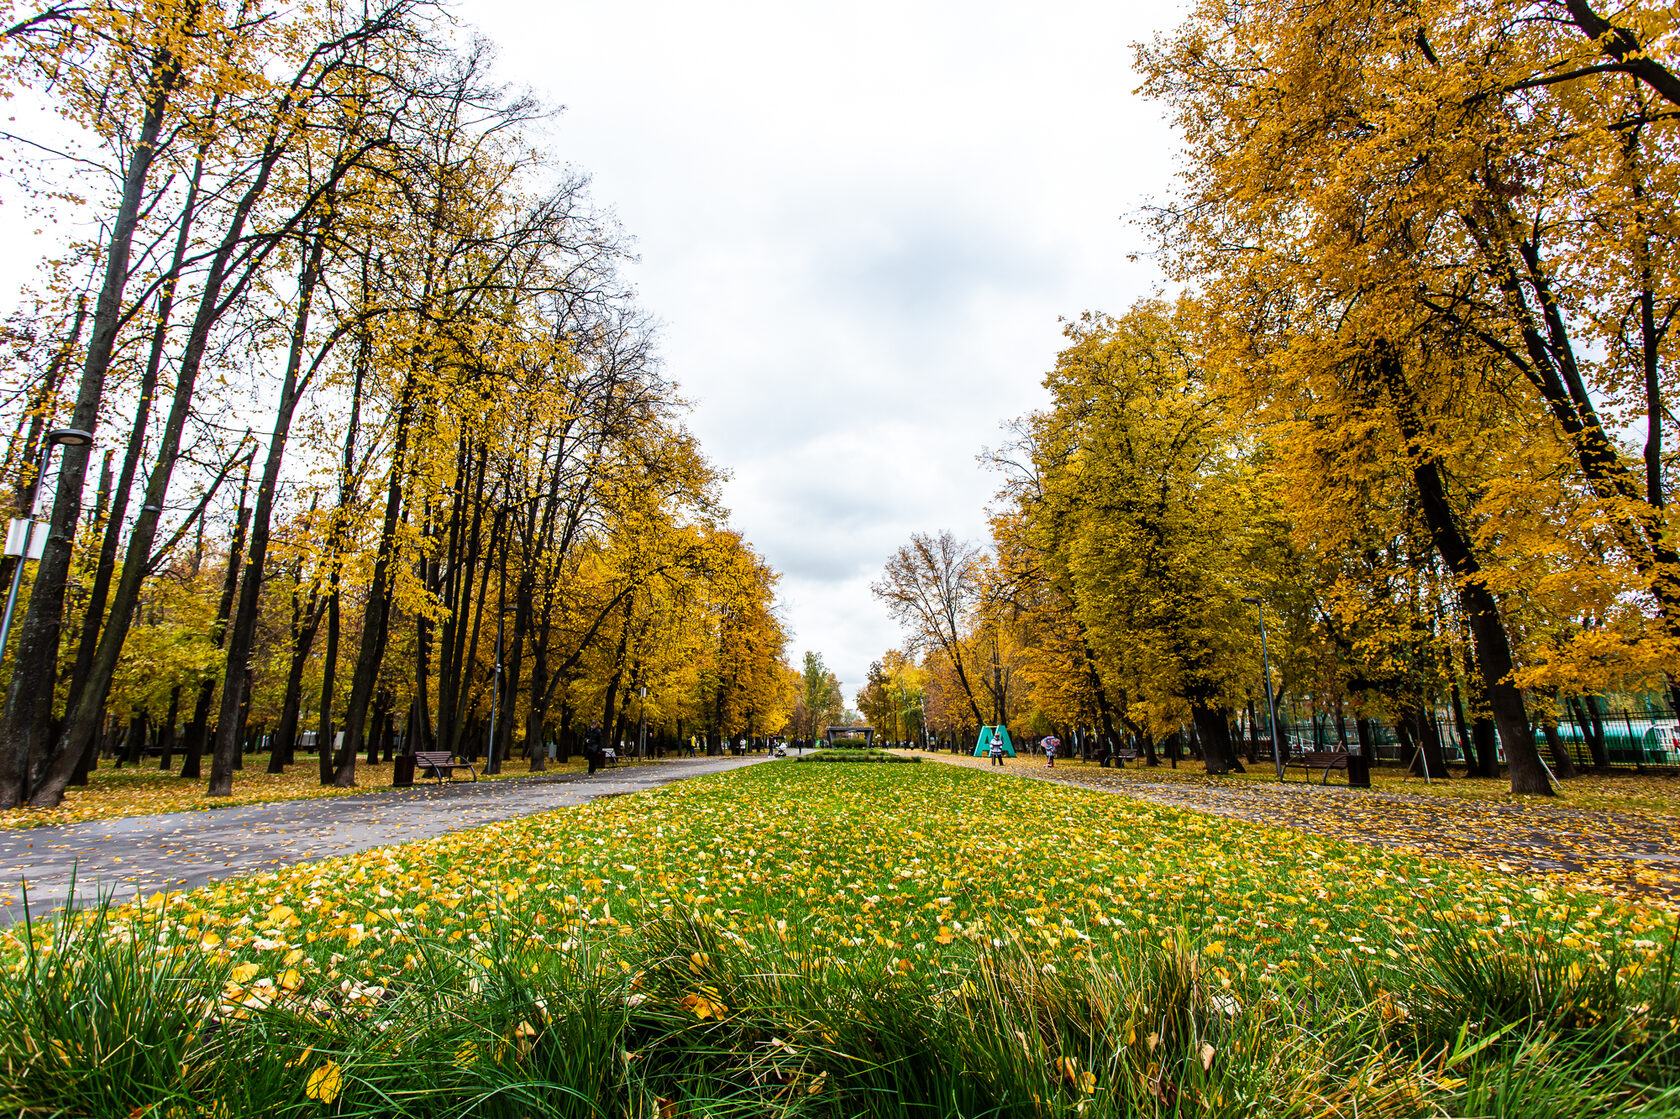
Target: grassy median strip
{"x": 852, "y": 940}
{"x": 850, "y": 755}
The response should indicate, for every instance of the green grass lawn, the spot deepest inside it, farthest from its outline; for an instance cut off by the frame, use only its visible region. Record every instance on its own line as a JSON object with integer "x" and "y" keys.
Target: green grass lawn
{"x": 854, "y": 940}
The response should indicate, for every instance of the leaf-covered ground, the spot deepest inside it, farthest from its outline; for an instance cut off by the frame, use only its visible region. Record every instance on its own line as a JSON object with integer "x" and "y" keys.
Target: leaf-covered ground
{"x": 1623, "y": 792}
{"x": 919, "y": 860}
{"x": 1602, "y": 835}
{"x": 144, "y": 790}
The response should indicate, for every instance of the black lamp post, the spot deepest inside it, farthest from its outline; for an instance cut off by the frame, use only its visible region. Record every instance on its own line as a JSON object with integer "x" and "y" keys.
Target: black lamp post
{"x": 641, "y": 737}
{"x": 496, "y": 686}
{"x": 1266, "y": 664}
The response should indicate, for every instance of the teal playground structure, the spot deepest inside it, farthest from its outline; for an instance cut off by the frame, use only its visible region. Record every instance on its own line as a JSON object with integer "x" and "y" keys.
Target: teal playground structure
{"x": 983, "y": 744}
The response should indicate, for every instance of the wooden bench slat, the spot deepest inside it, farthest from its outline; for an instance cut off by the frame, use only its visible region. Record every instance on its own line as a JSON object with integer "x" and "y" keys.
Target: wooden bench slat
{"x": 1320, "y": 759}
{"x": 441, "y": 764}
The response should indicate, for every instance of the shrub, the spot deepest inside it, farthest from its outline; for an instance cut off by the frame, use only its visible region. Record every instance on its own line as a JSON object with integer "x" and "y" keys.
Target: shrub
{"x": 870, "y": 755}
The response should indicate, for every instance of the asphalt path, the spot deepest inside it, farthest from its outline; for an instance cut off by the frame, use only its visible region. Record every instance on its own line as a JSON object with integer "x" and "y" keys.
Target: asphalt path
{"x": 139, "y": 855}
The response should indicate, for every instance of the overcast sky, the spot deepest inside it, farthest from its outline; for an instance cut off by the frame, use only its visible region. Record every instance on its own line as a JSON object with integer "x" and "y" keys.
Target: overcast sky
{"x": 859, "y": 225}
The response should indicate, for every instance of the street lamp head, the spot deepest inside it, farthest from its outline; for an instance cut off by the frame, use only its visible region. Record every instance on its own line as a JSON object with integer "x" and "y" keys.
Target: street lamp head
{"x": 69, "y": 437}
{"x": 1251, "y": 600}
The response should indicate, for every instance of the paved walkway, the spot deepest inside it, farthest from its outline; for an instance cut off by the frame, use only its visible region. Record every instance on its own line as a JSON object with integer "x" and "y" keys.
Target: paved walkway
{"x": 1635, "y": 855}
{"x": 180, "y": 850}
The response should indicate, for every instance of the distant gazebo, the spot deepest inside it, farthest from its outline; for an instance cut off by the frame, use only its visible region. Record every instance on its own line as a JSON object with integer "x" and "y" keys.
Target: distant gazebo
{"x": 848, "y": 736}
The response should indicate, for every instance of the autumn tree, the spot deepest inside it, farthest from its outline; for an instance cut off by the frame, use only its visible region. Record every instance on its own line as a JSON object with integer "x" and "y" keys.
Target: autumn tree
{"x": 1403, "y": 180}
{"x": 933, "y": 588}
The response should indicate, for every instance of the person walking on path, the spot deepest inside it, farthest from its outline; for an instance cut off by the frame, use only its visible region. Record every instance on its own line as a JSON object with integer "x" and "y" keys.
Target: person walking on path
{"x": 1050, "y": 744}
{"x": 996, "y": 749}
{"x": 592, "y": 745}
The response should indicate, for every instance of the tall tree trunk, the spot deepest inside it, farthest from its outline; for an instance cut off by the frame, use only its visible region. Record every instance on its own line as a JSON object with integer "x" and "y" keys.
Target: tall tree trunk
{"x": 135, "y": 747}
{"x": 1486, "y": 735}
{"x": 90, "y": 757}
{"x": 376, "y": 614}
{"x": 1595, "y": 713}
{"x": 82, "y": 722}
{"x": 1424, "y": 744}
{"x": 563, "y": 753}
{"x": 105, "y": 567}
{"x": 1493, "y": 647}
{"x": 32, "y": 424}
{"x": 305, "y": 621}
{"x": 25, "y": 450}
{"x": 1562, "y": 764}
{"x": 422, "y": 667}
{"x": 536, "y": 718}
{"x": 25, "y": 732}
{"x": 197, "y": 729}
{"x": 242, "y": 633}
{"x": 1464, "y": 741}
{"x": 469, "y": 665}
{"x": 329, "y": 683}
{"x": 507, "y": 693}
{"x": 335, "y": 565}
{"x": 1253, "y": 732}
{"x": 457, "y": 583}
{"x": 1594, "y": 743}
{"x": 167, "y": 742}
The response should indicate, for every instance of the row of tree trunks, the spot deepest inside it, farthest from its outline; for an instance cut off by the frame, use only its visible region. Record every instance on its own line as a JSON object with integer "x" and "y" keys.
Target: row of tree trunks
{"x": 242, "y": 632}
{"x": 25, "y": 739}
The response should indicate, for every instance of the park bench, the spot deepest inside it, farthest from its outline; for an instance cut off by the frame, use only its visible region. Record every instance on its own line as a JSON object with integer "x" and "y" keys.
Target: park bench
{"x": 1121, "y": 757}
{"x": 1324, "y": 759}
{"x": 440, "y": 764}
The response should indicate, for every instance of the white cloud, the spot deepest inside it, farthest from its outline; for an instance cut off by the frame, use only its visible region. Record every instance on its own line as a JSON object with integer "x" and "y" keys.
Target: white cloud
{"x": 860, "y": 224}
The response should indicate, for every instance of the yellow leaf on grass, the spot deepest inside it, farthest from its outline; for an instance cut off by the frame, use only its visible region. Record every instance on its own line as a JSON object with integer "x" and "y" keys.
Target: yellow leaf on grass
{"x": 325, "y": 1083}
{"x": 703, "y": 1006}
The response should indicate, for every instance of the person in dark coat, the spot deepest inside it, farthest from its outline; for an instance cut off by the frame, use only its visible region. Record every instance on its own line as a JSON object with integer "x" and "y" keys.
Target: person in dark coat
{"x": 592, "y": 745}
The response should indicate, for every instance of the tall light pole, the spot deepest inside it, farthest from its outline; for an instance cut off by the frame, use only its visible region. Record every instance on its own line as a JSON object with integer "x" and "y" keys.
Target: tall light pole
{"x": 496, "y": 687}
{"x": 69, "y": 437}
{"x": 641, "y": 738}
{"x": 1266, "y": 665}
